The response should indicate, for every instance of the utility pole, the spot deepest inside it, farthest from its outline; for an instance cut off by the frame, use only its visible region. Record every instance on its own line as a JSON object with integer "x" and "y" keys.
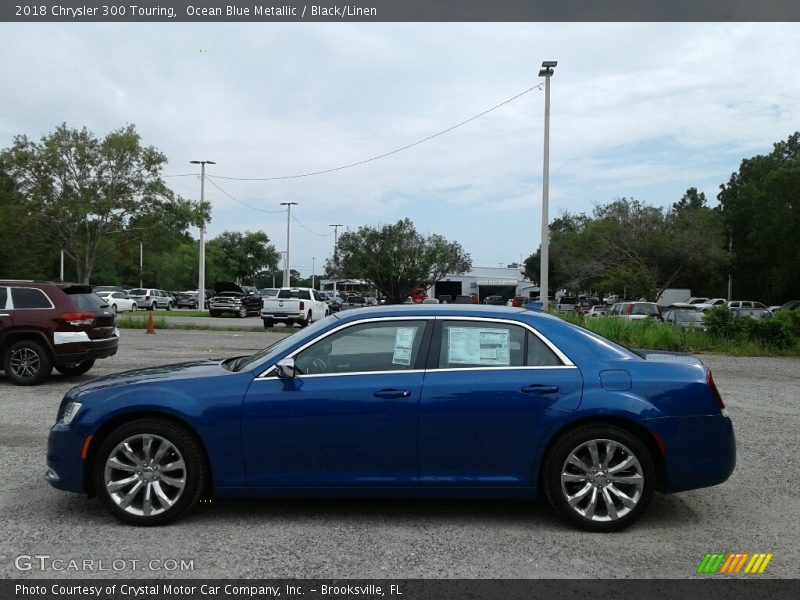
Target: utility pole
{"x": 62, "y": 267}
{"x": 335, "y": 254}
{"x": 201, "y": 272}
{"x": 141, "y": 262}
{"x": 547, "y": 73}
{"x": 730, "y": 267}
{"x": 287, "y": 278}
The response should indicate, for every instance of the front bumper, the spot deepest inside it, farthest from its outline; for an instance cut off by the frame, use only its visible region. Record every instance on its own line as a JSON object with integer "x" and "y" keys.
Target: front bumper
{"x": 65, "y": 466}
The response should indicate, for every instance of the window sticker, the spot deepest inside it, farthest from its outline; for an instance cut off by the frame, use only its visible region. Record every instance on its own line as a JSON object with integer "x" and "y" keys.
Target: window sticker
{"x": 403, "y": 343}
{"x": 475, "y": 346}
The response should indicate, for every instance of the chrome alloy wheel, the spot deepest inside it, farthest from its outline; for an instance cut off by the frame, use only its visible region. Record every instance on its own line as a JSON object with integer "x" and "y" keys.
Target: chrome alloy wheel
{"x": 25, "y": 362}
{"x": 145, "y": 475}
{"x": 602, "y": 480}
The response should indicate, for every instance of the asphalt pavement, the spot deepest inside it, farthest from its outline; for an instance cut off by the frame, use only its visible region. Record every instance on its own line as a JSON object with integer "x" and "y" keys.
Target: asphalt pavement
{"x": 755, "y": 511}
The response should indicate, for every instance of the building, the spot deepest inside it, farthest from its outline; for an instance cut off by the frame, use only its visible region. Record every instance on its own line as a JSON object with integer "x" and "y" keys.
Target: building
{"x": 485, "y": 281}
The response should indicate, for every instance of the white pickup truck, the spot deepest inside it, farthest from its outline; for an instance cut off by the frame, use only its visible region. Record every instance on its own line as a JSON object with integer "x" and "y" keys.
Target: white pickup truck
{"x": 293, "y": 305}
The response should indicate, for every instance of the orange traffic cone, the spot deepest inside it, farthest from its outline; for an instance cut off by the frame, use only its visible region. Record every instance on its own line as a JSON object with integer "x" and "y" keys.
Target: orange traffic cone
{"x": 151, "y": 326}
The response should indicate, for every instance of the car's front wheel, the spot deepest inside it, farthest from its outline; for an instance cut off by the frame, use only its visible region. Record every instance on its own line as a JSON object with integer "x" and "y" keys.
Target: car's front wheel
{"x": 27, "y": 363}
{"x": 242, "y": 312}
{"x": 134, "y": 307}
{"x": 600, "y": 477}
{"x": 75, "y": 368}
{"x": 149, "y": 472}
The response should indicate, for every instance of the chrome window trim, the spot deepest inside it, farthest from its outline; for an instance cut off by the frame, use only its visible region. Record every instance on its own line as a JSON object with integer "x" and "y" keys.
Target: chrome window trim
{"x": 567, "y": 363}
{"x": 10, "y": 300}
{"x": 345, "y": 326}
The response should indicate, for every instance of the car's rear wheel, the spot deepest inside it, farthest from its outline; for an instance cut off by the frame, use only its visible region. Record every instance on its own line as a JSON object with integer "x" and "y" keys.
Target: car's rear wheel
{"x": 307, "y": 321}
{"x": 75, "y": 368}
{"x": 154, "y": 306}
{"x": 27, "y": 363}
{"x": 149, "y": 472}
{"x": 600, "y": 477}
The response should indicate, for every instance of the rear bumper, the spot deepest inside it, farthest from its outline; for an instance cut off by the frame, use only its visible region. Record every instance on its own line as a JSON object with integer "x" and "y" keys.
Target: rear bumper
{"x": 700, "y": 451}
{"x": 75, "y": 346}
{"x": 282, "y": 316}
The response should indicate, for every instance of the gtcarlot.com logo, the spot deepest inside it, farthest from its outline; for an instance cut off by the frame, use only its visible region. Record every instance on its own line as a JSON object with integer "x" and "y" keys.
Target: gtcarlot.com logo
{"x": 731, "y": 563}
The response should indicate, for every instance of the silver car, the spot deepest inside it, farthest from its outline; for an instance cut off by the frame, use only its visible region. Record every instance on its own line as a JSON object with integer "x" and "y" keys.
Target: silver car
{"x": 151, "y": 298}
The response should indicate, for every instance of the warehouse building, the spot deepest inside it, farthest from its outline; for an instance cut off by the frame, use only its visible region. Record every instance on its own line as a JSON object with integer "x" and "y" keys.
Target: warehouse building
{"x": 484, "y": 281}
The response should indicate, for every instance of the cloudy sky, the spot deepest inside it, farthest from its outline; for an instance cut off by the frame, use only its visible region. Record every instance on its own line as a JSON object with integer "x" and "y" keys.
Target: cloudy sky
{"x": 638, "y": 110}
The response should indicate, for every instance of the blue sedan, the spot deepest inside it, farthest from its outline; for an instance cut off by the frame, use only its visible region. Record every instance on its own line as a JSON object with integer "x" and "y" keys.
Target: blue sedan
{"x": 402, "y": 401}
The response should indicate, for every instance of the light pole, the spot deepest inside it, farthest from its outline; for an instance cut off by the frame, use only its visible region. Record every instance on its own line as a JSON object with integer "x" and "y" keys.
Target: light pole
{"x": 201, "y": 272}
{"x": 313, "y": 265}
{"x": 546, "y": 72}
{"x": 287, "y": 279}
{"x": 141, "y": 261}
{"x": 335, "y": 254}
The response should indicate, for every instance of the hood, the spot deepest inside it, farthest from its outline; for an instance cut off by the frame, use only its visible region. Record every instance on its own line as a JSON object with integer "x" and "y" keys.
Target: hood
{"x": 223, "y": 287}
{"x": 187, "y": 370}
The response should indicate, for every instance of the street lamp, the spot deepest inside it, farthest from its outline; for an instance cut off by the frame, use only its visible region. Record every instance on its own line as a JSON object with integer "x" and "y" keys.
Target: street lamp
{"x": 287, "y": 280}
{"x": 201, "y": 278}
{"x": 335, "y": 254}
{"x": 546, "y": 72}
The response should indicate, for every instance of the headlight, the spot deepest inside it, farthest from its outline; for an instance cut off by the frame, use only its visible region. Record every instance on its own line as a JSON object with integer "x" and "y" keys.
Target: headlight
{"x": 70, "y": 411}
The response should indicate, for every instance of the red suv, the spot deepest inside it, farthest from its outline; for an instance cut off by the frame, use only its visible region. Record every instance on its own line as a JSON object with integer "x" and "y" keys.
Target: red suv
{"x": 45, "y": 325}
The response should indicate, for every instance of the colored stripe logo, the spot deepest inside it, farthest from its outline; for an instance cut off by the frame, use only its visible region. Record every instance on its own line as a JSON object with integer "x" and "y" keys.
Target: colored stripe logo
{"x": 728, "y": 563}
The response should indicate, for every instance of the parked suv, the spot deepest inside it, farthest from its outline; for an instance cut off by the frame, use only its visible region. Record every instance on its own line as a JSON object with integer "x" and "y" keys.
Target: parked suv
{"x": 45, "y": 325}
{"x": 634, "y": 311}
{"x": 151, "y": 299}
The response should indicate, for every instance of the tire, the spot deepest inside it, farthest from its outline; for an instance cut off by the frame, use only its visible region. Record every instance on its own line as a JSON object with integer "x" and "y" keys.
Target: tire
{"x": 307, "y": 321}
{"x": 580, "y": 493}
{"x": 154, "y": 306}
{"x": 171, "y": 495}
{"x": 27, "y": 363}
{"x": 213, "y": 313}
{"x": 114, "y": 308}
{"x": 75, "y": 369}
{"x": 134, "y": 307}
{"x": 242, "y": 312}
{"x": 169, "y": 305}
{"x": 268, "y": 323}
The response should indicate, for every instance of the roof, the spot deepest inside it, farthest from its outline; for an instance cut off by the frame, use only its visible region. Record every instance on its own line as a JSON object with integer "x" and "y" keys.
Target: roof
{"x": 441, "y": 310}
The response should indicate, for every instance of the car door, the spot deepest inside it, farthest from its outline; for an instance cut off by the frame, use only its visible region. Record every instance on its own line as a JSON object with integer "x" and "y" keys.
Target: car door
{"x": 349, "y": 417}
{"x": 6, "y": 319}
{"x": 492, "y": 391}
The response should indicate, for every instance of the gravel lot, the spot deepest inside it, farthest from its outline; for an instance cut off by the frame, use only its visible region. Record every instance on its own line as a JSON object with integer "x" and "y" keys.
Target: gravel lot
{"x": 756, "y": 510}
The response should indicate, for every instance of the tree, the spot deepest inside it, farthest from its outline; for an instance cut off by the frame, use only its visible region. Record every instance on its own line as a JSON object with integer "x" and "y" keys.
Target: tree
{"x": 240, "y": 256}
{"x": 760, "y": 207}
{"x": 395, "y": 259}
{"x": 630, "y": 246}
{"x": 94, "y": 195}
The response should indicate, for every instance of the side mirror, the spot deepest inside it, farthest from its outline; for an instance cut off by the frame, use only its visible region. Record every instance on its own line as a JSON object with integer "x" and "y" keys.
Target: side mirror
{"x": 286, "y": 368}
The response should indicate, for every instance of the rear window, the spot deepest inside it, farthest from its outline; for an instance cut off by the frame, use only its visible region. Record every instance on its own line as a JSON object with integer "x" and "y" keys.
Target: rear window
{"x": 645, "y": 309}
{"x": 137, "y": 292}
{"x": 568, "y": 300}
{"x": 301, "y": 294}
{"x": 29, "y": 298}
{"x": 84, "y": 301}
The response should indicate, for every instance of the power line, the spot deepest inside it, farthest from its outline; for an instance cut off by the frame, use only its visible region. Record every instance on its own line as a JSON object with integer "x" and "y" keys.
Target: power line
{"x": 308, "y": 230}
{"x": 183, "y": 175}
{"x": 391, "y": 152}
{"x": 208, "y": 177}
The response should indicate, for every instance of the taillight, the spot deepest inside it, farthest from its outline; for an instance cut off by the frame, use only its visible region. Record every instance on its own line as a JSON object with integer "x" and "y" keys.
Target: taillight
{"x": 302, "y": 306}
{"x": 714, "y": 390}
{"x": 78, "y": 319}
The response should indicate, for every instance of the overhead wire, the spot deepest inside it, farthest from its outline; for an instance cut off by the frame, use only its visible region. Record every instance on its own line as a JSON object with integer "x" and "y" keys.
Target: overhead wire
{"x": 391, "y": 152}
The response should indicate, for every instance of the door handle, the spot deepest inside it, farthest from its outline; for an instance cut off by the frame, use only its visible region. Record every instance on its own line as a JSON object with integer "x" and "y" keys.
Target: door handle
{"x": 392, "y": 394}
{"x": 540, "y": 389}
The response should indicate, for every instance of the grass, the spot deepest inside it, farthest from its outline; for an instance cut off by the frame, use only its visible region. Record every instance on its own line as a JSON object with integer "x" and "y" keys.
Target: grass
{"x": 179, "y": 313}
{"x": 129, "y": 321}
{"x": 653, "y": 335}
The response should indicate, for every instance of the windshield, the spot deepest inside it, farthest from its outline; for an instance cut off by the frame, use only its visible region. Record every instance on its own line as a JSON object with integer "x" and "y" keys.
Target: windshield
{"x": 688, "y": 316}
{"x": 645, "y": 309}
{"x": 269, "y": 353}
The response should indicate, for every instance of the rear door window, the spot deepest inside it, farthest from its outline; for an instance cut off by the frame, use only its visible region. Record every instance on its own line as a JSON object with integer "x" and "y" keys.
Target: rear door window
{"x": 84, "y": 301}
{"x": 3, "y": 297}
{"x": 27, "y": 298}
